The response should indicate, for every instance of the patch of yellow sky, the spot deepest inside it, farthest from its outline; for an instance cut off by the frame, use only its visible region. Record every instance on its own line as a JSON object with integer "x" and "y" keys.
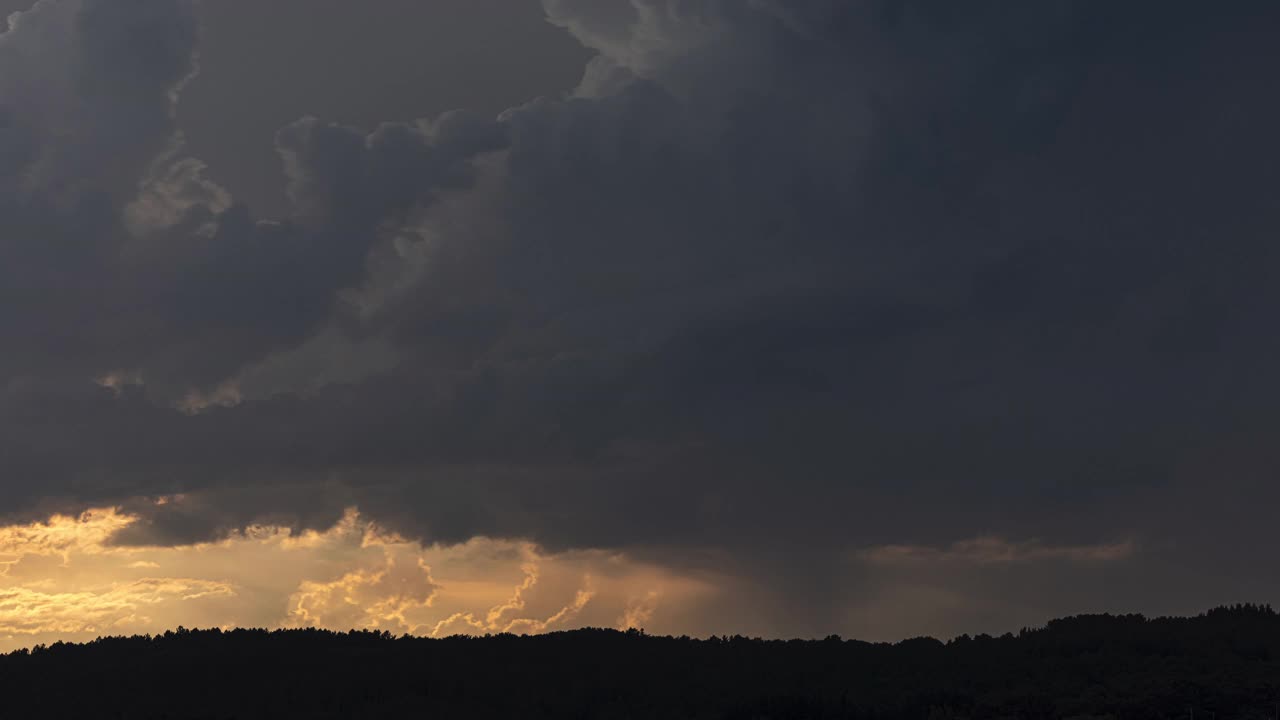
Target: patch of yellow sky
{"x": 63, "y": 579}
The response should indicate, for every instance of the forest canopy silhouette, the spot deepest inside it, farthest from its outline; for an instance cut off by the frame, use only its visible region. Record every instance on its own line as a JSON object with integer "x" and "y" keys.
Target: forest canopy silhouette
{"x": 1225, "y": 662}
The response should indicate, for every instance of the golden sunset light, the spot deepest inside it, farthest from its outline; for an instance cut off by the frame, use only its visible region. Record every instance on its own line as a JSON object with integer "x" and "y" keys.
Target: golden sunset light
{"x": 64, "y": 580}
{"x": 708, "y": 359}
{"x": 67, "y": 579}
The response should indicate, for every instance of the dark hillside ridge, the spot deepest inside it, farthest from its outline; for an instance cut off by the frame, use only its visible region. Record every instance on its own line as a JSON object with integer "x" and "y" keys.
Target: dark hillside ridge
{"x": 1224, "y": 663}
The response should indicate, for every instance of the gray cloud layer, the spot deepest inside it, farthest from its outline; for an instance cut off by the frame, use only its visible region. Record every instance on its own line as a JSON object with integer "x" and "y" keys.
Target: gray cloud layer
{"x": 395, "y": 60}
{"x": 778, "y": 282}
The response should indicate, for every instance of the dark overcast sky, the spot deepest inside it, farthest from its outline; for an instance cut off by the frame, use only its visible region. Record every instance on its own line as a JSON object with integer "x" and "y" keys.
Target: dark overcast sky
{"x": 391, "y": 60}
{"x": 931, "y": 314}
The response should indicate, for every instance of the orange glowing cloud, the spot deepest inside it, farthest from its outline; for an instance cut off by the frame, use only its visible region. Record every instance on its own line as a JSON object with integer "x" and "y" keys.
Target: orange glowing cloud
{"x": 64, "y": 579}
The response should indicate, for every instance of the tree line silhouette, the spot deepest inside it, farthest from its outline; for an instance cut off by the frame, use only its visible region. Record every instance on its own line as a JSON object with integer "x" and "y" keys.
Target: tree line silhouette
{"x": 1224, "y": 663}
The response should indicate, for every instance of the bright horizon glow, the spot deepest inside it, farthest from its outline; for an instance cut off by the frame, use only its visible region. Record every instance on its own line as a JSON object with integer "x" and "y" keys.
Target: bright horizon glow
{"x": 64, "y": 580}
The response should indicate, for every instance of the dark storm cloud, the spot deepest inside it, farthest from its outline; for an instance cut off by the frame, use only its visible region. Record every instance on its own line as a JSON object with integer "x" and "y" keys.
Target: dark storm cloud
{"x": 122, "y": 258}
{"x": 267, "y": 64}
{"x": 780, "y": 281}
{"x": 85, "y": 95}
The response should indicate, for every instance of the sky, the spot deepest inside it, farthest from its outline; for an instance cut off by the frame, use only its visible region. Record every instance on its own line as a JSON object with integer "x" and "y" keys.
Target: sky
{"x": 784, "y": 317}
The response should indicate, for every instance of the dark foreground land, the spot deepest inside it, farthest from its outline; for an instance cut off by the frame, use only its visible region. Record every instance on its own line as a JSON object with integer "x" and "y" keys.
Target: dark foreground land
{"x": 1224, "y": 664}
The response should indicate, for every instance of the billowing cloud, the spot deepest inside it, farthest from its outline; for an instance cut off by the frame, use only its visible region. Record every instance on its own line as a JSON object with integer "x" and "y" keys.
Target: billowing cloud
{"x": 123, "y": 258}
{"x": 112, "y": 610}
{"x": 64, "y": 578}
{"x": 505, "y": 617}
{"x": 802, "y": 297}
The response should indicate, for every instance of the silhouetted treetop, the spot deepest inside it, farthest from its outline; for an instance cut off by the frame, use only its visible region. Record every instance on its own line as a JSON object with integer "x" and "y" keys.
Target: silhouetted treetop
{"x": 1225, "y": 661}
